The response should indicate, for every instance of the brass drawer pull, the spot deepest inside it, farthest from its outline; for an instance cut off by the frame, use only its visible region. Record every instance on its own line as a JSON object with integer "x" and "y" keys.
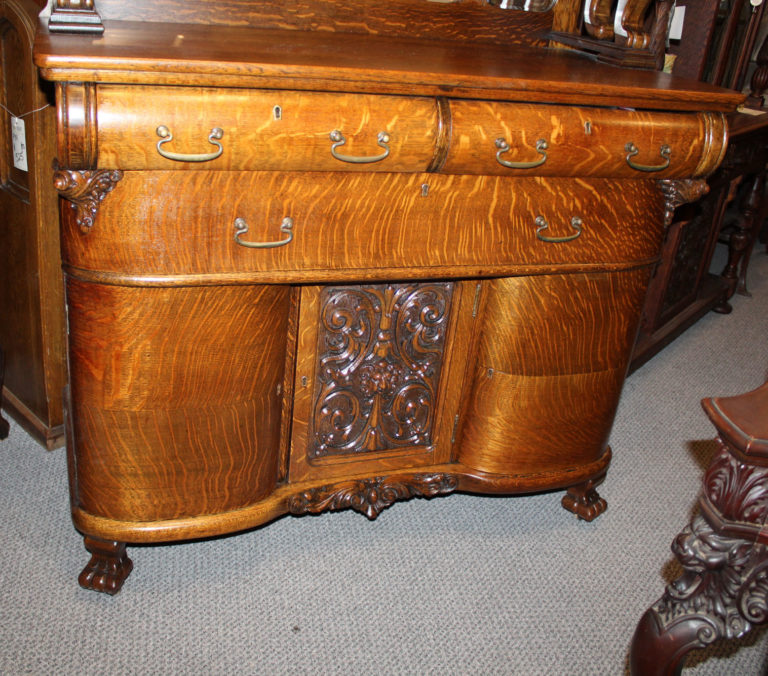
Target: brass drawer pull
{"x": 503, "y": 146}
{"x": 241, "y": 227}
{"x": 165, "y": 134}
{"x": 338, "y": 140}
{"x": 540, "y": 221}
{"x": 631, "y": 149}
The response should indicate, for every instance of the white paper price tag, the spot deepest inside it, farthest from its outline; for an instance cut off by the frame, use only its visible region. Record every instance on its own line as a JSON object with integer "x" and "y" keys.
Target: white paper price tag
{"x": 19, "y": 138}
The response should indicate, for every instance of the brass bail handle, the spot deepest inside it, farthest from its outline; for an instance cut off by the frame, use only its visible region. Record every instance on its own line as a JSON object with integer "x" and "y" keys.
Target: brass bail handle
{"x": 631, "y": 149}
{"x": 166, "y": 137}
{"x": 542, "y": 224}
{"x": 241, "y": 227}
{"x": 503, "y": 147}
{"x": 338, "y": 140}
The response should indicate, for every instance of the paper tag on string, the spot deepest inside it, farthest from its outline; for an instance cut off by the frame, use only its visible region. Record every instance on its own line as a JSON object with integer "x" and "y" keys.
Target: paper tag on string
{"x": 19, "y": 139}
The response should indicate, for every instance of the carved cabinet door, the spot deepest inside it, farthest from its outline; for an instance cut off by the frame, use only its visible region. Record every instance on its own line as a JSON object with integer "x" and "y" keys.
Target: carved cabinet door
{"x": 379, "y": 374}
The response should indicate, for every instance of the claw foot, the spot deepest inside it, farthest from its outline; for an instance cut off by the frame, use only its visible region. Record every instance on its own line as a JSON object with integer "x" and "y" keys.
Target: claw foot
{"x": 584, "y": 501}
{"x": 108, "y": 568}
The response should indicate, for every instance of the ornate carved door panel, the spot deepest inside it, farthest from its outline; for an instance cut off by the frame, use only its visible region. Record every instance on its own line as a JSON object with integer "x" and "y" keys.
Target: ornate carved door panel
{"x": 378, "y": 375}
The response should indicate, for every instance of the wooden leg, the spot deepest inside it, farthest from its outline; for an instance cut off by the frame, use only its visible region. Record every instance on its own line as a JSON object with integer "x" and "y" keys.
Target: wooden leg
{"x": 721, "y": 594}
{"x": 584, "y": 501}
{"x": 108, "y": 568}
{"x": 5, "y": 426}
{"x": 743, "y": 238}
{"x": 723, "y": 591}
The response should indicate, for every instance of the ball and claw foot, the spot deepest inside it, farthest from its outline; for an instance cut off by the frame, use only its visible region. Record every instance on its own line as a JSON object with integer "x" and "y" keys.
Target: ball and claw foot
{"x": 108, "y": 568}
{"x": 584, "y": 501}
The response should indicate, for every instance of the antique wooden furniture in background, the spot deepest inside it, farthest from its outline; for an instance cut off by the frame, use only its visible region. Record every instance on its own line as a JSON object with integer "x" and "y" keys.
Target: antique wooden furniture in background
{"x": 31, "y": 284}
{"x": 684, "y": 288}
{"x": 631, "y": 33}
{"x": 723, "y": 591}
{"x": 327, "y": 255}
{"x": 4, "y": 424}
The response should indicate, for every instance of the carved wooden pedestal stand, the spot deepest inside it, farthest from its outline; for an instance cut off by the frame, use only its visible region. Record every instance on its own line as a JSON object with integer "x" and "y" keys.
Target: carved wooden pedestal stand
{"x": 724, "y": 589}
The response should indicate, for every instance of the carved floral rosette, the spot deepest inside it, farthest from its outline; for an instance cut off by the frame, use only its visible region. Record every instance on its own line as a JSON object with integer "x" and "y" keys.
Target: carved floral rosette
{"x": 371, "y": 496}
{"x": 380, "y": 355}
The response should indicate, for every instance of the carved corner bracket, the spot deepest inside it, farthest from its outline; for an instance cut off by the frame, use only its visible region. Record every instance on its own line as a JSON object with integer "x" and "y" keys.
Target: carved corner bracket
{"x": 85, "y": 190}
{"x": 680, "y": 191}
{"x": 75, "y": 16}
{"x": 371, "y": 496}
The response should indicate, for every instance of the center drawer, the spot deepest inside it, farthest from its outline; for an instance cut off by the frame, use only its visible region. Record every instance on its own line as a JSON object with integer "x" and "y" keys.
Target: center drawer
{"x": 275, "y": 226}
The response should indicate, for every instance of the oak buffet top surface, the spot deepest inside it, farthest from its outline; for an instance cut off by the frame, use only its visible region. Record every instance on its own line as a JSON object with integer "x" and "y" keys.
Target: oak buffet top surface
{"x": 237, "y": 56}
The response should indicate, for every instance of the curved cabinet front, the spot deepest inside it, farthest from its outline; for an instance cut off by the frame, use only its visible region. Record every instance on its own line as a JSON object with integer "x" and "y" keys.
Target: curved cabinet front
{"x": 176, "y": 398}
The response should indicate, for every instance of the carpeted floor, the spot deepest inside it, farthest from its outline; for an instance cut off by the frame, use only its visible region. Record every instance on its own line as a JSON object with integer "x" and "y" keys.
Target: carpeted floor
{"x": 456, "y": 585}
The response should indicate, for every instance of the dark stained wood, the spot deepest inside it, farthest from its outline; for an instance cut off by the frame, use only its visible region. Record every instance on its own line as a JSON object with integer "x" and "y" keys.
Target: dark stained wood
{"x": 108, "y": 567}
{"x": 5, "y": 426}
{"x": 31, "y": 286}
{"x": 285, "y": 323}
{"x": 723, "y": 551}
{"x": 683, "y": 289}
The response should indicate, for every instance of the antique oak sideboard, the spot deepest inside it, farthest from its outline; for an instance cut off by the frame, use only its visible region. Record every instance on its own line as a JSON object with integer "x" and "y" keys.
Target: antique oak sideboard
{"x": 325, "y": 255}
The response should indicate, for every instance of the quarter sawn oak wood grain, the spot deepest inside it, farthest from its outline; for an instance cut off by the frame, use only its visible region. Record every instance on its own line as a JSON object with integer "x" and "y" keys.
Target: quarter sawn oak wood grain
{"x": 333, "y": 284}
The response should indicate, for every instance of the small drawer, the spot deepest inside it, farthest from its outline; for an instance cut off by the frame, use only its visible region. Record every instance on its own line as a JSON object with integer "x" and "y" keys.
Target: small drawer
{"x": 509, "y": 139}
{"x": 274, "y": 226}
{"x": 240, "y": 129}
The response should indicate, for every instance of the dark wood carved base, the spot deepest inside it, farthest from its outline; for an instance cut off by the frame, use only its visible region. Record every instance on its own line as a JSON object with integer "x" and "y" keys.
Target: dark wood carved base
{"x": 371, "y": 496}
{"x": 108, "y": 568}
{"x": 584, "y": 501}
{"x": 723, "y": 591}
{"x": 721, "y": 594}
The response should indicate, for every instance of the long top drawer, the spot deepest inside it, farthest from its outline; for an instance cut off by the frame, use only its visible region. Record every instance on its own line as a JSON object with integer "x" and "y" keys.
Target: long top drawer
{"x": 189, "y": 128}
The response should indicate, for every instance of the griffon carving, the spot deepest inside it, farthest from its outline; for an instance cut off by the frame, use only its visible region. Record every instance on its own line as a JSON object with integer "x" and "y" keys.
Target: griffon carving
{"x": 722, "y": 592}
{"x": 380, "y": 355}
{"x": 680, "y": 191}
{"x": 85, "y": 189}
{"x": 371, "y": 496}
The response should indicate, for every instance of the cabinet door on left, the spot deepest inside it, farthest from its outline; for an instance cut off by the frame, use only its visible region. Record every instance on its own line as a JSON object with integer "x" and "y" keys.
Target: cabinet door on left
{"x": 31, "y": 287}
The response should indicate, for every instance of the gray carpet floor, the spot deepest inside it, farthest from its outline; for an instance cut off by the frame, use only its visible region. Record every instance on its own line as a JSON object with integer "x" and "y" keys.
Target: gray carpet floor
{"x": 455, "y": 585}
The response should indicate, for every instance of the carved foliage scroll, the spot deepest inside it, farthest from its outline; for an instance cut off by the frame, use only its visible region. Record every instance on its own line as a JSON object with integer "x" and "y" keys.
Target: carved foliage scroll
{"x": 738, "y": 489}
{"x": 85, "y": 190}
{"x": 380, "y": 354}
{"x": 681, "y": 191}
{"x": 371, "y": 496}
